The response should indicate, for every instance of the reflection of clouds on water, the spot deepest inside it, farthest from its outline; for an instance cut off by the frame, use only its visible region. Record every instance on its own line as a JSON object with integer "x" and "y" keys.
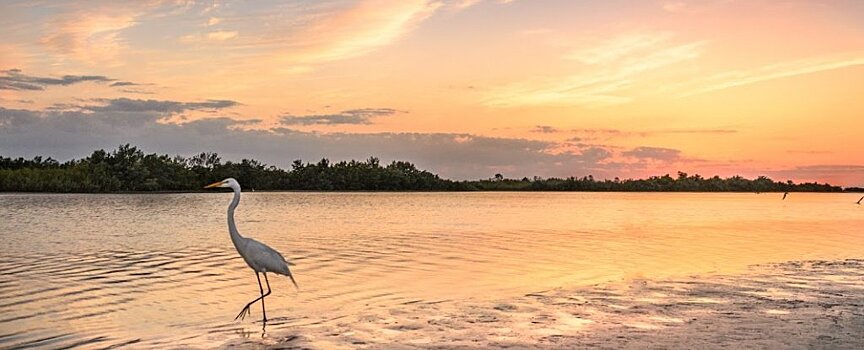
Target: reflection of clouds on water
{"x": 754, "y": 310}
{"x": 159, "y": 269}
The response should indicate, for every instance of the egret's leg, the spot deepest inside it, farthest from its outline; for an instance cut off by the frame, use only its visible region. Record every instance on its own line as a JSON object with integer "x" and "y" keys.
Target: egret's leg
{"x": 264, "y": 295}
{"x": 261, "y": 289}
{"x": 246, "y": 310}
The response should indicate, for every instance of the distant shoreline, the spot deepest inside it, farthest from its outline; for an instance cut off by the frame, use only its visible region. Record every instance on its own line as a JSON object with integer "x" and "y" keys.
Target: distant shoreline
{"x": 129, "y": 170}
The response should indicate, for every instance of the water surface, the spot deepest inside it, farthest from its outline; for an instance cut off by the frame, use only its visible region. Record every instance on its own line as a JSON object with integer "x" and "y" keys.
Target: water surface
{"x": 159, "y": 270}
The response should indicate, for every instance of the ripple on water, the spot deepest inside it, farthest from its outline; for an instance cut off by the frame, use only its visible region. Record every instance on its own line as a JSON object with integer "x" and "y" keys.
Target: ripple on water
{"x": 120, "y": 270}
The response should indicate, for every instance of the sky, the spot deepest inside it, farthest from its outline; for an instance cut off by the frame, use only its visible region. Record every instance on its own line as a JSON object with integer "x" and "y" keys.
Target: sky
{"x": 462, "y": 88}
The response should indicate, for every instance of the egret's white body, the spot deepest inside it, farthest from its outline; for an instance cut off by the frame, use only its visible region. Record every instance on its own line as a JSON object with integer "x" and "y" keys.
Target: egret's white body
{"x": 260, "y": 257}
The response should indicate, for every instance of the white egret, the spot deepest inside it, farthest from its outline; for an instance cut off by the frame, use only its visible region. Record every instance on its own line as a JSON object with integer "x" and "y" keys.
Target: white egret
{"x": 257, "y": 255}
{"x": 785, "y": 194}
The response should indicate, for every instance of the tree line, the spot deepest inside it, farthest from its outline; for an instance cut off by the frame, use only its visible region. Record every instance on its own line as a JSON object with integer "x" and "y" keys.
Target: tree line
{"x": 129, "y": 169}
{"x": 666, "y": 183}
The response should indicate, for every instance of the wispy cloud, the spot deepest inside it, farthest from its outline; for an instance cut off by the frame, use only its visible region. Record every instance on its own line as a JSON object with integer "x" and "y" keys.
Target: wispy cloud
{"x": 213, "y": 37}
{"x": 354, "y": 31}
{"x": 90, "y": 37}
{"x": 222, "y": 35}
{"x": 137, "y": 91}
{"x": 619, "y": 48}
{"x": 608, "y": 68}
{"x": 647, "y": 133}
{"x": 93, "y": 32}
{"x": 124, "y": 83}
{"x": 463, "y": 4}
{"x": 362, "y": 28}
{"x": 14, "y": 79}
{"x": 726, "y": 80}
{"x": 545, "y": 129}
{"x": 362, "y": 116}
{"x": 657, "y": 153}
{"x": 159, "y": 108}
{"x": 674, "y": 6}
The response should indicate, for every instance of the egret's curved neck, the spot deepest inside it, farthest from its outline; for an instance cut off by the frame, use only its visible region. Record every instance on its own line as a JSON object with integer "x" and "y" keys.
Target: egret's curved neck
{"x": 232, "y": 228}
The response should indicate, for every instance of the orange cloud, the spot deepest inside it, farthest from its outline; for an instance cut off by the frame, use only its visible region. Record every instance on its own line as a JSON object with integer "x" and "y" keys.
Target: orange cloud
{"x": 88, "y": 37}
{"x": 358, "y": 30}
{"x": 773, "y": 71}
{"x": 609, "y": 68}
{"x": 221, "y": 35}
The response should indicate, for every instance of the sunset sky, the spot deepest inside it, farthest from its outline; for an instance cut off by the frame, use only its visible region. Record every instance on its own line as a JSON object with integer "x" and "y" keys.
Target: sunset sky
{"x": 465, "y": 89}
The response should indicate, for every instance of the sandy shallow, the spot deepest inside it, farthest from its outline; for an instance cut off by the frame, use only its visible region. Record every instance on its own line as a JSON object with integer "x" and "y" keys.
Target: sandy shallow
{"x": 795, "y": 305}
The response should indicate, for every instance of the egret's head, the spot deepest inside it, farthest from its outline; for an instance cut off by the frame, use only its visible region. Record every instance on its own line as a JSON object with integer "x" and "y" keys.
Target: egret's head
{"x": 229, "y": 182}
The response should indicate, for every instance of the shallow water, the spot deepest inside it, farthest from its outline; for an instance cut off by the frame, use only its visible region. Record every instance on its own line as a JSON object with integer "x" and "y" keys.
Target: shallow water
{"x": 159, "y": 270}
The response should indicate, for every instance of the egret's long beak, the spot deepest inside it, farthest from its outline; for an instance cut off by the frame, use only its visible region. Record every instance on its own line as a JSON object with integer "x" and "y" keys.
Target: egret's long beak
{"x": 215, "y": 184}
